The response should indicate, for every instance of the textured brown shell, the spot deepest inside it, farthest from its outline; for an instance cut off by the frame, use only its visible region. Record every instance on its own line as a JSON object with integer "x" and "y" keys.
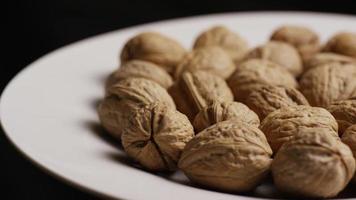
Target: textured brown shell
{"x": 269, "y": 98}
{"x": 344, "y": 112}
{"x": 156, "y": 135}
{"x": 218, "y": 112}
{"x": 349, "y": 138}
{"x": 282, "y": 125}
{"x": 195, "y": 90}
{"x": 229, "y": 156}
{"x": 314, "y": 164}
{"x": 154, "y": 47}
{"x": 255, "y": 72}
{"x": 342, "y": 43}
{"x": 221, "y": 36}
{"x": 327, "y": 58}
{"x": 280, "y": 53}
{"x": 211, "y": 58}
{"x": 327, "y": 83}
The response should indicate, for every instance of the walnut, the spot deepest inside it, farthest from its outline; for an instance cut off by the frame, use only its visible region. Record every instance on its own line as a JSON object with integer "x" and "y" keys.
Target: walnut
{"x": 229, "y": 156}
{"x": 282, "y": 125}
{"x": 327, "y": 58}
{"x": 304, "y": 39}
{"x": 218, "y": 112}
{"x": 156, "y": 135}
{"x": 195, "y": 90}
{"x": 140, "y": 69}
{"x": 155, "y": 48}
{"x": 254, "y": 73}
{"x": 342, "y": 43}
{"x": 314, "y": 164}
{"x": 280, "y": 53}
{"x": 211, "y": 58}
{"x": 125, "y": 97}
{"x": 344, "y": 112}
{"x": 231, "y": 42}
{"x": 349, "y": 138}
{"x": 269, "y": 98}
{"x": 327, "y": 83}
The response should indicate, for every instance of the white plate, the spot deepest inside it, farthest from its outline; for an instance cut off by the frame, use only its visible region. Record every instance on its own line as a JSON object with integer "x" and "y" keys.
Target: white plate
{"x": 48, "y": 109}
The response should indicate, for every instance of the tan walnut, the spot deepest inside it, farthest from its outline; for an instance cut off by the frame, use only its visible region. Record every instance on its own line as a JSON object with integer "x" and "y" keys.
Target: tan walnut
{"x": 269, "y": 98}
{"x": 327, "y": 83}
{"x": 231, "y": 42}
{"x": 195, "y": 90}
{"x": 344, "y": 112}
{"x": 154, "y": 47}
{"x": 349, "y": 138}
{"x": 342, "y": 43}
{"x": 222, "y": 111}
{"x": 124, "y": 97}
{"x": 211, "y": 58}
{"x": 327, "y": 58}
{"x": 283, "y": 124}
{"x": 156, "y": 135}
{"x": 314, "y": 164}
{"x": 229, "y": 156}
{"x": 254, "y": 73}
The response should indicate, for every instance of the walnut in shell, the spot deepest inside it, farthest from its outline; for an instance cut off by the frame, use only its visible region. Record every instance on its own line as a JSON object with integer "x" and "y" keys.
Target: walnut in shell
{"x": 211, "y": 58}
{"x": 254, "y": 73}
{"x": 229, "y": 156}
{"x": 280, "y": 53}
{"x": 154, "y": 47}
{"x": 222, "y": 111}
{"x": 231, "y": 42}
{"x": 349, "y": 138}
{"x": 342, "y": 43}
{"x": 156, "y": 135}
{"x": 327, "y": 83}
{"x": 283, "y": 124}
{"x": 314, "y": 164}
{"x": 195, "y": 90}
{"x": 327, "y": 58}
{"x": 269, "y": 98}
{"x": 344, "y": 112}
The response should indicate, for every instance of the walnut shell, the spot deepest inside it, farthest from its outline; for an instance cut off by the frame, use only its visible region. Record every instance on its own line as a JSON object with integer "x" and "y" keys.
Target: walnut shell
{"x": 327, "y": 83}
{"x": 156, "y": 135}
{"x": 327, "y": 58}
{"x": 314, "y": 164}
{"x": 218, "y": 112}
{"x": 154, "y": 47}
{"x": 229, "y": 156}
{"x": 195, "y": 90}
{"x": 269, "y": 98}
{"x": 231, "y": 42}
{"x": 342, "y": 43}
{"x": 256, "y": 72}
{"x": 280, "y": 53}
{"x": 282, "y": 125}
{"x": 140, "y": 69}
{"x": 349, "y": 138}
{"x": 304, "y": 39}
{"x": 123, "y": 99}
{"x": 211, "y": 58}
{"x": 344, "y": 112}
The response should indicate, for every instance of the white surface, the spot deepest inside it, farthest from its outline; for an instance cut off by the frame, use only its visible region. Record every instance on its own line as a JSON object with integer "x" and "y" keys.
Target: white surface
{"x": 48, "y": 109}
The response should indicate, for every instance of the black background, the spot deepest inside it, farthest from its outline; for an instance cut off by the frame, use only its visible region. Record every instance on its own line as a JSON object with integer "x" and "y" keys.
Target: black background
{"x": 33, "y": 28}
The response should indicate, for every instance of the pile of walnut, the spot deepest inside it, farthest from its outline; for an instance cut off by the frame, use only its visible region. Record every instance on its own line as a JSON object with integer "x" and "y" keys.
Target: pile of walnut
{"x": 227, "y": 115}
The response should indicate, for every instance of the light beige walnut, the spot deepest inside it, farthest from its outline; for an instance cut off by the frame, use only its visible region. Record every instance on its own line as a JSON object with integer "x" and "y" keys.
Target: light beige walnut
{"x": 327, "y": 58}
{"x": 124, "y": 98}
{"x": 349, "y": 138}
{"x": 280, "y": 53}
{"x": 344, "y": 112}
{"x": 222, "y": 111}
{"x": 313, "y": 165}
{"x": 254, "y": 73}
{"x": 283, "y": 124}
{"x": 156, "y": 135}
{"x": 327, "y": 83}
{"x": 269, "y": 98}
{"x": 231, "y": 42}
{"x": 229, "y": 156}
{"x": 154, "y": 47}
{"x": 140, "y": 69}
{"x": 195, "y": 90}
{"x": 303, "y": 38}
{"x": 211, "y": 58}
{"x": 342, "y": 43}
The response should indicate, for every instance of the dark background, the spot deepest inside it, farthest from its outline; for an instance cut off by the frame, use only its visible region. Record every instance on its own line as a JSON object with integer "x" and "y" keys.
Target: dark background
{"x": 33, "y": 28}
